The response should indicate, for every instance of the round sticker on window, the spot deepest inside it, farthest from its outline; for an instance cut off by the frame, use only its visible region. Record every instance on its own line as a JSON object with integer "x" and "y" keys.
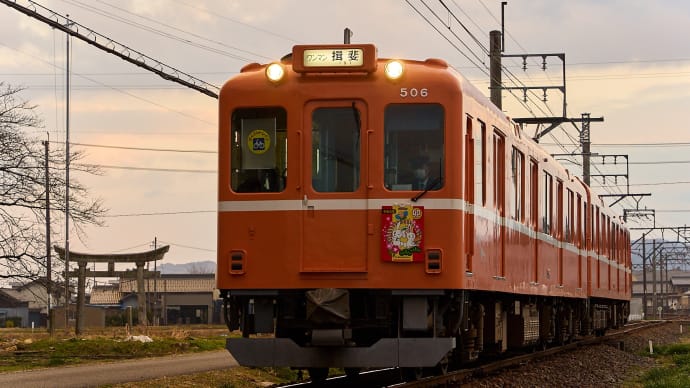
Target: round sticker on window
{"x": 259, "y": 141}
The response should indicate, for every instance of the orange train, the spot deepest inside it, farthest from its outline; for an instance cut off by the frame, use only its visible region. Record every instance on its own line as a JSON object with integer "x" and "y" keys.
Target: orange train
{"x": 383, "y": 213}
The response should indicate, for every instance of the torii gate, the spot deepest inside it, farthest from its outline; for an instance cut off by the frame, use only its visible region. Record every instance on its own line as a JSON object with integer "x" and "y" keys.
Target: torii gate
{"x": 140, "y": 259}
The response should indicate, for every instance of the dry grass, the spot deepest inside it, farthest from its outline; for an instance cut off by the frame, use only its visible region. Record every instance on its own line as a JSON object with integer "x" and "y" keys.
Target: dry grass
{"x": 14, "y": 340}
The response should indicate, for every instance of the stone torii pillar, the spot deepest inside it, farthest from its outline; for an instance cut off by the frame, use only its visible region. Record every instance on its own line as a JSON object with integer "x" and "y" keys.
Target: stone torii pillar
{"x": 140, "y": 259}
{"x": 141, "y": 293}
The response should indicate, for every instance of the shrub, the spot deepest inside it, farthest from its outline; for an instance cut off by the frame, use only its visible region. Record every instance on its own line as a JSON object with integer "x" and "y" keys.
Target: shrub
{"x": 13, "y": 322}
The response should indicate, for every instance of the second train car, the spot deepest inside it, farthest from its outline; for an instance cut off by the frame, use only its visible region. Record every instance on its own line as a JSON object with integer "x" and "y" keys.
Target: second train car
{"x": 383, "y": 213}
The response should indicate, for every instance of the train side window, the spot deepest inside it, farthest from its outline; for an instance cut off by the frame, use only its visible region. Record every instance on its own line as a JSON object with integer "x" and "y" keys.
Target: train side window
{"x": 560, "y": 214}
{"x": 586, "y": 226}
{"x": 258, "y": 150}
{"x": 534, "y": 194}
{"x": 614, "y": 243}
{"x": 609, "y": 234}
{"x": 480, "y": 165}
{"x": 414, "y": 147}
{"x": 578, "y": 222}
{"x": 517, "y": 203}
{"x": 499, "y": 172}
{"x": 569, "y": 216}
{"x": 595, "y": 229}
{"x": 547, "y": 204}
{"x": 335, "y": 149}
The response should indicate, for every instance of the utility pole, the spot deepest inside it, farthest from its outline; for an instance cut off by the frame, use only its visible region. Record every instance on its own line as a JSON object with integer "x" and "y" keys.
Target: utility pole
{"x": 586, "y": 152}
{"x": 654, "y": 301}
{"x": 496, "y": 86}
{"x": 347, "y": 34}
{"x": 156, "y": 310}
{"x": 49, "y": 278}
{"x": 644, "y": 274}
{"x": 67, "y": 160}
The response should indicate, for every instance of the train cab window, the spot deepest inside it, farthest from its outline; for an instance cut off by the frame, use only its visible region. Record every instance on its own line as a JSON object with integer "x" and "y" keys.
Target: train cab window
{"x": 258, "y": 150}
{"x": 414, "y": 143}
{"x": 335, "y": 149}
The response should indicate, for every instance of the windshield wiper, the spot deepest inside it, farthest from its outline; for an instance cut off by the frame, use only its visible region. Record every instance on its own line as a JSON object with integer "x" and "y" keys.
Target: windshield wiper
{"x": 430, "y": 186}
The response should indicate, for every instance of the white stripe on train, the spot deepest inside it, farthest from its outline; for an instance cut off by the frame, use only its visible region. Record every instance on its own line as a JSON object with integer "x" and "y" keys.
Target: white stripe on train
{"x": 428, "y": 203}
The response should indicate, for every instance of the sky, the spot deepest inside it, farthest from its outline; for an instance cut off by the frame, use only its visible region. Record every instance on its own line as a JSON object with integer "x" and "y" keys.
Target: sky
{"x": 626, "y": 61}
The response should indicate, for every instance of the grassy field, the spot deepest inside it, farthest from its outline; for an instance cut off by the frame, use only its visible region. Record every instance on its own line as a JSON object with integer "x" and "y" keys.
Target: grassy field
{"x": 25, "y": 349}
{"x": 674, "y": 369}
{"x": 22, "y": 349}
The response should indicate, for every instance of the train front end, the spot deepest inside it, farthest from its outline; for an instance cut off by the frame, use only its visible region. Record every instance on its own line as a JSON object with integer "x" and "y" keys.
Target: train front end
{"x": 339, "y": 225}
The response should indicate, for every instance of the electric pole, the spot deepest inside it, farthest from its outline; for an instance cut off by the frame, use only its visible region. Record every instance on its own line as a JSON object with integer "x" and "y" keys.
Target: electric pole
{"x": 49, "y": 278}
{"x": 67, "y": 160}
{"x": 586, "y": 152}
{"x": 495, "y": 68}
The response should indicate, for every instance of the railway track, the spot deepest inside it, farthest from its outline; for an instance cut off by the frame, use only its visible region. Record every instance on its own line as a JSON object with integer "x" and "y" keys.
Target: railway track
{"x": 392, "y": 377}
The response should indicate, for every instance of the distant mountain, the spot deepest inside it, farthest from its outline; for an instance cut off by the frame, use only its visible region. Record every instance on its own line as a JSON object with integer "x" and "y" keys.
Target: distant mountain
{"x": 196, "y": 267}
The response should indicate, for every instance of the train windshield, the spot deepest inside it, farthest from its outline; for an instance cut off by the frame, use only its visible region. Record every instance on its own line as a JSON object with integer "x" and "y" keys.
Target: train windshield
{"x": 413, "y": 155}
{"x": 335, "y": 149}
{"x": 259, "y": 150}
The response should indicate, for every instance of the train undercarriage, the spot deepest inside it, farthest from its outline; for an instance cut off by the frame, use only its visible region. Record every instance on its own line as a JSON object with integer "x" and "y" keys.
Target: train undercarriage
{"x": 411, "y": 329}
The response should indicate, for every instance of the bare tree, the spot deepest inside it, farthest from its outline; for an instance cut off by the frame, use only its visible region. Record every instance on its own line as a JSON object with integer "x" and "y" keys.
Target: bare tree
{"x": 23, "y": 191}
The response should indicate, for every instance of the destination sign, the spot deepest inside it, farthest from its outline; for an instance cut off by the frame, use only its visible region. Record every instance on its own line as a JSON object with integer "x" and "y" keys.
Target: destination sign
{"x": 336, "y": 57}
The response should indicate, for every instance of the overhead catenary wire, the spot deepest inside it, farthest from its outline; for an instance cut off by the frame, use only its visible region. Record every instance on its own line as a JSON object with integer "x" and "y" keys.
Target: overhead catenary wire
{"x": 137, "y": 97}
{"x": 130, "y": 22}
{"x": 482, "y": 69}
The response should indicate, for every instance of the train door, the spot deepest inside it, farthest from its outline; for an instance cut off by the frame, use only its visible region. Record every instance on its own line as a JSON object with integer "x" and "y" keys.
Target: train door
{"x": 579, "y": 239}
{"x": 534, "y": 215}
{"x": 334, "y": 203}
{"x": 469, "y": 192}
{"x": 499, "y": 200}
{"x": 560, "y": 224}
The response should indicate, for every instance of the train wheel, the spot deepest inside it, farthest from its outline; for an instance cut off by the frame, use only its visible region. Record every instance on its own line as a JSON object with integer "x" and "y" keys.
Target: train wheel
{"x": 318, "y": 374}
{"x": 442, "y": 367}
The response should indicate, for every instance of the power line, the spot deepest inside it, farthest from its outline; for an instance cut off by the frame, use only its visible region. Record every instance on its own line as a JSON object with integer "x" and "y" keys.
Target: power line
{"x": 663, "y": 162}
{"x": 112, "y": 87}
{"x": 142, "y": 148}
{"x": 133, "y": 168}
{"x": 661, "y": 144}
{"x": 159, "y": 213}
{"x": 630, "y": 61}
{"x": 187, "y": 246}
{"x": 482, "y": 69}
{"x": 160, "y": 32}
{"x": 644, "y": 162}
{"x": 215, "y": 14}
{"x": 479, "y": 43}
{"x": 655, "y": 184}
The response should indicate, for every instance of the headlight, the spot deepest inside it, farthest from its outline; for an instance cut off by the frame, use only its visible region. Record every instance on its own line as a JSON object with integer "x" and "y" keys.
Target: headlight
{"x": 275, "y": 72}
{"x": 394, "y": 69}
